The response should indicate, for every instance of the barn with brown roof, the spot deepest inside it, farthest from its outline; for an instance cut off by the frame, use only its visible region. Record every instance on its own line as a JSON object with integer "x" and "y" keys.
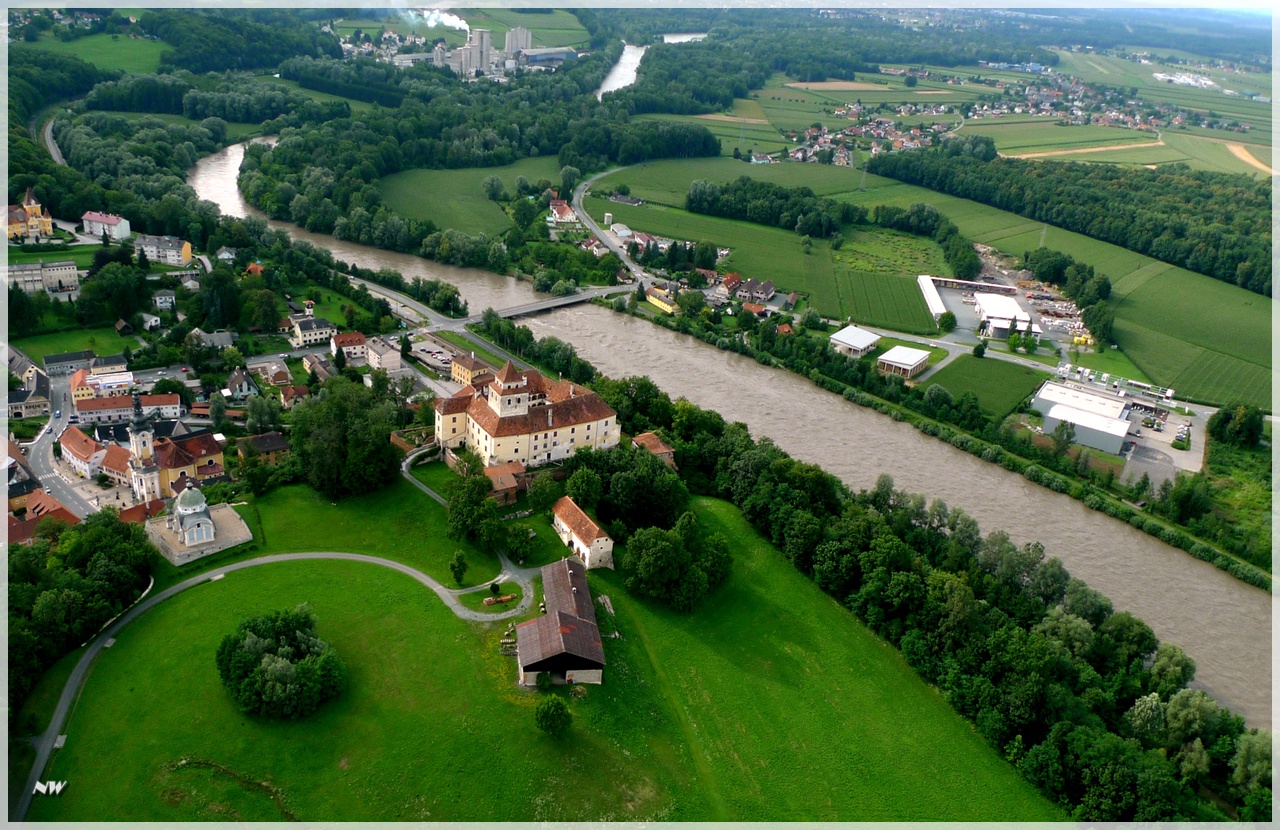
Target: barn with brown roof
{"x": 564, "y": 642}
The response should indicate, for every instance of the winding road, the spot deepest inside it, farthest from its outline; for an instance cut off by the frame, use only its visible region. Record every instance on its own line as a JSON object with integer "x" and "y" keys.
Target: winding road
{"x": 44, "y": 742}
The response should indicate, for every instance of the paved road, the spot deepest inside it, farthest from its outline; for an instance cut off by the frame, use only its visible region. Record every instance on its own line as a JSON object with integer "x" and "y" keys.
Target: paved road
{"x": 50, "y": 144}
{"x": 578, "y": 192}
{"x": 40, "y": 453}
{"x": 44, "y": 742}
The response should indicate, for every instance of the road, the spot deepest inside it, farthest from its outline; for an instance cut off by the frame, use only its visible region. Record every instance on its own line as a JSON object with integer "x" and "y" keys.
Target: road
{"x": 50, "y": 144}
{"x": 40, "y": 453}
{"x": 44, "y": 741}
{"x": 578, "y": 192}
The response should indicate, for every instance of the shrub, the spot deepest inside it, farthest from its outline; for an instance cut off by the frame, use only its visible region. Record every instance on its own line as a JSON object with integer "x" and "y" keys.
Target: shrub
{"x": 274, "y": 665}
{"x": 552, "y": 716}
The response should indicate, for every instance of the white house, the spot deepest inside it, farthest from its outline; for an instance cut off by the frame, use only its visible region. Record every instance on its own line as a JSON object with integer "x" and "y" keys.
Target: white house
{"x": 854, "y": 342}
{"x": 384, "y": 354}
{"x": 310, "y": 331}
{"x": 581, "y": 535}
{"x": 115, "y": 227}
{"x": 82, "y": 452}
{"x": 352, "y": 344}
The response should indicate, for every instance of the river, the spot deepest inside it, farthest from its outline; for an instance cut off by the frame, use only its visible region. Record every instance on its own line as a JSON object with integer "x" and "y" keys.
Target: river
{"x": 1222, "y": 623}
{"x": 623, "y": 73}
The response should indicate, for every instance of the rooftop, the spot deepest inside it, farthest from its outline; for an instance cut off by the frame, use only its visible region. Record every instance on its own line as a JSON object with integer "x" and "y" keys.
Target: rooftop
{"x": 905, "y": 357}
{"x": 855, "y": 338}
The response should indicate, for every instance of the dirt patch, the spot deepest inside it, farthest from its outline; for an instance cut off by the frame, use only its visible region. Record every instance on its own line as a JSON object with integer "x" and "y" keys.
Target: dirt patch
{"x": 731, "y": 118}
{"x": 835, "y": 85}
{"x": 933, "y": 92}
{"x": 1239, "y": 151}
{"x": 343, "y": 764}
{"x": 1083, "y": 150}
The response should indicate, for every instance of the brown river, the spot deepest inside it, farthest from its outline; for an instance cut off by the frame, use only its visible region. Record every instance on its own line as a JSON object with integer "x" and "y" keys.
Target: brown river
{"x": 1222, "y": 623}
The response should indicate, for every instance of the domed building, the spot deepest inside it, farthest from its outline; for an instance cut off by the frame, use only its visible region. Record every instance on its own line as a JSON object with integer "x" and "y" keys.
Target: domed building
{"x": 191, "y": 514}
{"x": 191, "y": 529}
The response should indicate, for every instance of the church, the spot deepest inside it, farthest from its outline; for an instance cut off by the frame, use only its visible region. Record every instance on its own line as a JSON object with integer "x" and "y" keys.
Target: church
{"x": 160, "y": 468}
{"x": 29, "y": 219}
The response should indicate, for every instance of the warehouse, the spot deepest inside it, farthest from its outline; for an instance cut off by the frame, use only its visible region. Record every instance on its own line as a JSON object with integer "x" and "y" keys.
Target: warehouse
{"x": 931, "y": 297}
{"x": 903, "y": 361}
{"x": 999, "y": 315}
{"x": 1101, "y": 421}
{"x": 854, "y": 342}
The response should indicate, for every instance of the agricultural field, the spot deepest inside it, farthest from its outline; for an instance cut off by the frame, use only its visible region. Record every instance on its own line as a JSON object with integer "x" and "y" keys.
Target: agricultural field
{"x": 746, "y": 136}
{"x": 1045, "y": 135}
{"x": 454, "y": 199}
{"x": 871, "y": 299}
{"x": 102, "y": 341}
{"x": 693, "y": 708}
{"x": 667, "y": 182}
{"x": 401, "y": 26}
{"x": 557, "y": 27}
{"x": 134, "y": 55}
{"x": 999, "y": 384}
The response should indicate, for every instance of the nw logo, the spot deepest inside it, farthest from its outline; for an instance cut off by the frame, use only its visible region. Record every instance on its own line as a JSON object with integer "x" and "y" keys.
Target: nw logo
{"x": 49, "y": 787}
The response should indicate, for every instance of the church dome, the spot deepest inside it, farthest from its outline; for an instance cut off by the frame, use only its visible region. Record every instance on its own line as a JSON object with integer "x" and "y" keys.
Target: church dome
{"x": 189, "y": 501}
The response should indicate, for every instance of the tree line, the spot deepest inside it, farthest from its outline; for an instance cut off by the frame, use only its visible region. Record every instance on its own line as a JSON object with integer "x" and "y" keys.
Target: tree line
{"x": 1079, "y": 283}
{"x": 1217, "y": 224}
{"x": 1083, "y": 700}
{"x": 232, "y": 39}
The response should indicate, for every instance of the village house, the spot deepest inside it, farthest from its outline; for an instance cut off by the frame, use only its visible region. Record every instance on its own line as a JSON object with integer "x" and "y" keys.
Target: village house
{"x": 309, "y": 331}
{"x": 40, "y": 506}
{"x": 111, "y": 364}
{"x": 273, "y": 373}
{"x": 561, "y": 213}
{"x": 526, "y": 417}
{"x": 729, "y": 288}
{"x": 225, "y": 255}
{"x": 466, "y": 369}
{"x": 67, "y": 362}
{"x": 651, "y": 442}
{"x": 120, "y": 407}
{"x": 384, "y": 354}
{"x": 115, "y": 227}
{"x": 115, "y": 463}
{"x": 270, "y": 447}
{"x": 164, "y": 300}
{"x": 564, "y": 642}
{"x": 290, "y": 395}
{"x": 82, "y": 452}
{"x": 352, "y": 344}
{"x": 21, "y": 479}
{"x": 581, "y": 534}
{"x": 507, "y": 480}
{"x": 240, "y": 385}
{"x": 320, "y": 365}
{"x": 662, "y": 300}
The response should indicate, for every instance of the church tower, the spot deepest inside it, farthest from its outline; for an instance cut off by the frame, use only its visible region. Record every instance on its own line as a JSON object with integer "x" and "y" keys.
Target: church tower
{"x": 141, "y": 435}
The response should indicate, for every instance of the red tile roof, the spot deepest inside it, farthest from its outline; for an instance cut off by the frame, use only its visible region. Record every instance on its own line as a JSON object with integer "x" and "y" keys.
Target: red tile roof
{"x": 172, "y": 453}
{"x": 116, "y": 459}
{"x": 651, "y": 442}
{"x": 40, "y": 503}
{"x": 578, "y": 522}
{"x": 21, "y": 530}
{"x": 78, "y": 444}
{"x": 346, "y": 340}
{"x": 139, "y": 513}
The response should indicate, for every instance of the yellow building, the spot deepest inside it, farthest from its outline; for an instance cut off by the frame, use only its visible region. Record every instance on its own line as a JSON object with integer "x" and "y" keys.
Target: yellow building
{"x": 466, "y": 369}
{"x": 662, "y": 300}
{"x": 523, "y": 416}
{"x": 29, "y": 218}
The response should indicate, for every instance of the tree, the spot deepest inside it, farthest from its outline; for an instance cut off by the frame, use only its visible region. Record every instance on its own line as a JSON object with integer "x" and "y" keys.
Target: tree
{"x": 218, "y": 412}
{"x": 343, "y": 439}
{"x": 947, "y": 321}
{"x": 262, "y": 309}
{"x": 340, "y": 359}
{"x": 263, "y": 414}
{"x": 980, "y": 349}
{"x": 523, "y": 212}
{"x": 232, "y": 357}
{"x": 553, "y": 717}
{"x": 585, "y": 487}
{"x": 406, "y": 346}
{"x": 458, "y": 566}
{"x": 544, "y": 491}
{"x": 1063, "y": 435}
{"x": 1238, "y": 424}
{"x": 493, "y": 188}
{"x": 568, "y": 179}
{"x": 691, "y": 302}
{"x": 170, "y": 386}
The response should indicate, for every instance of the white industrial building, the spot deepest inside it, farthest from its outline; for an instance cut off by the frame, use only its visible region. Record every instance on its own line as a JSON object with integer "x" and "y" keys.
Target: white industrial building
{"x": 999, "y": 315}
{"x": 854, "y": 342}
{"x": 904, "y": 361}
{"x": 1101, "y": 420}
{"x": 931, "y": 297}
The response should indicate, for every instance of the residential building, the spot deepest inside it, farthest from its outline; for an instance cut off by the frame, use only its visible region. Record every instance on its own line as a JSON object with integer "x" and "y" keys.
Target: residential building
{"x": 240, "y": 385}
{"x": 115, "y": 227}
{"x": 219, "y": 339}
{"x": 119, "y": 408}
{"x": 164, "y": 300}
{"x": 109, "y": 364}
{"x": 115, "y": 463}
{"x": 854, "y": 342}
{"x": 352, "y": 344}
{"x": 562, "y": 213}
{"x": 270, "y": 447}
{"x": 651, "y": 442}
{"x": 309, "y": 331}
{"x": 22, "y": 405}
{"x": 82, "y": 452}
{"x": 384, "y": 354}
{"x": 29, "y": 219}
{"x": 150, "y": 322}
{"x": 40, "y": 506}
{"x": 21, "y": 479}
{"x": 466, "y": 369}
{"x": 290, "y": 395}
{"x": 67, "y": 362}
{"x": 763, "y": 292}
{"x": 581, "y": 534}
{"x": 662, "y": 300}
{"x": 523, "y": 416}
{"x": 508, "y": 480}
{"x": 225, "y": 255}
{"x": 756, "y": 309}
{"x": 57, "y": 277}
{"x": 273, "y": 373}
{"x": 565, "y": 642}
{"x": 164, "y": 250}
{"x": 904, "y": 361}
{"x": 319, "y": 364}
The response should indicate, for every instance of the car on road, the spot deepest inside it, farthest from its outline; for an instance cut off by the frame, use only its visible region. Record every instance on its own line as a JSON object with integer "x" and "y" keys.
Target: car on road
{"x": 162, "y": 372}
{"x": 57, "y": 414}
{"x": 184, "y": 370}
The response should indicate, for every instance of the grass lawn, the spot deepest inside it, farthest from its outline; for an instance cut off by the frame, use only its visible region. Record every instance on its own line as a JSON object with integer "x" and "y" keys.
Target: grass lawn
{"x": 454, "y": 199}
{"x": 475, "y": 599}
{"x": 44, "y": 697}
{"x": 668, "y": 181}
{"x": 437, "y": 476}
{"x": 1111, "y": 361}
{"x": 409, "y": 527}
{"x": 82, "y": 254}
{"x": 468, "y": 347}
{"x": 727, "y": 713}
{"x": 999, "y": 384}
{"x": 103, "y": 341}
{"x": 130, "y": 54}
{"x": 555, "y": 27}
{"x": 1044, "y": 135}
{"x": 26, "y": 429}
{"x": 329, "y": 305}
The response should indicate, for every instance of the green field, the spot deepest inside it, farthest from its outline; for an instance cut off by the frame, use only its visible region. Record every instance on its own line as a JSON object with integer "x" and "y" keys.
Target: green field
{"x": 1044, "y": 135}
{"x": 1184, "y": 147}
{"x": 727, "y": 713}
{"x": 418, "y": 26}
{"x": 559, "y": 27}
{"x": 102, "y": 341}
{"x": 999, "y": 384}
{"x": 128, "y": 54}
{"x": 667, "y": 182}
{"x": 82, "y": 254}
{"x": 874, "y": 299}
{"x": 745, "y": 136}
{"x": 454, "y": 199}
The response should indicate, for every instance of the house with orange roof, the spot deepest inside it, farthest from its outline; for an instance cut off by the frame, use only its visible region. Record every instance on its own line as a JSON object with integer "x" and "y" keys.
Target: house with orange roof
{"x": 82, "y": 452}
{"x": 520, "y": 415}
{"x": 115, "y": 463}
{"x": 581, "y": 534}
{"x": 651, "y": 442}
{"x": 352, "y": 343}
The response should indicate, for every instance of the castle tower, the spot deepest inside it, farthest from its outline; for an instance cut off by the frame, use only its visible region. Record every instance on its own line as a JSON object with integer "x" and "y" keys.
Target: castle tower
{"x": 508, "y": 393}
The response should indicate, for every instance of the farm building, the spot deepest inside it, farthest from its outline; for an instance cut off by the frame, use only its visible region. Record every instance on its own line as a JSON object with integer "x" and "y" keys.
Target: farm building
{"x": 1100, "y": 420}
{"x": 901, "y": 360}
{"x": 999, "y": 315}
{"x": 565, "y": 641}
{"x": 651, "y": 442}
{"x": 931, "y": 297}
{"x": 854, "y": 342}
{"x": 581, "y": 535}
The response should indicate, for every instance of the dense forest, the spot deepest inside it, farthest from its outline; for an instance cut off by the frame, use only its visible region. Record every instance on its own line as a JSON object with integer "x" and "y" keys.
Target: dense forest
{"x": 218, "y": 40}
{"x": 1217, "y": 224}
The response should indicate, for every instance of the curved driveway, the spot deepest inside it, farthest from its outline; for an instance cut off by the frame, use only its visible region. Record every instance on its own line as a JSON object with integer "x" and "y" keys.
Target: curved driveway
{"x": 44, "y": 742}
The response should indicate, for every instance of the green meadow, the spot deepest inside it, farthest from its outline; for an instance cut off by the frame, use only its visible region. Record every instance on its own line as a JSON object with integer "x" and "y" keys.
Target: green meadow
{"x": 554, "y": 27}
{"x": 727, "y": 713}
{"x": 999, "y": 384}
{"x": 102, "y": 341}
{"x": 134, "y": 55}
{"x": 1045, "y": 135}
{"x": 81, "y": 254}
{"x": 454, "y": 199}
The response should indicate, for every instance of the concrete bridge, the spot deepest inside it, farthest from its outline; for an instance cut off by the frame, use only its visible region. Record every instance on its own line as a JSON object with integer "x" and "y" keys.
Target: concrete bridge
{"x": 542, "y": 305}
